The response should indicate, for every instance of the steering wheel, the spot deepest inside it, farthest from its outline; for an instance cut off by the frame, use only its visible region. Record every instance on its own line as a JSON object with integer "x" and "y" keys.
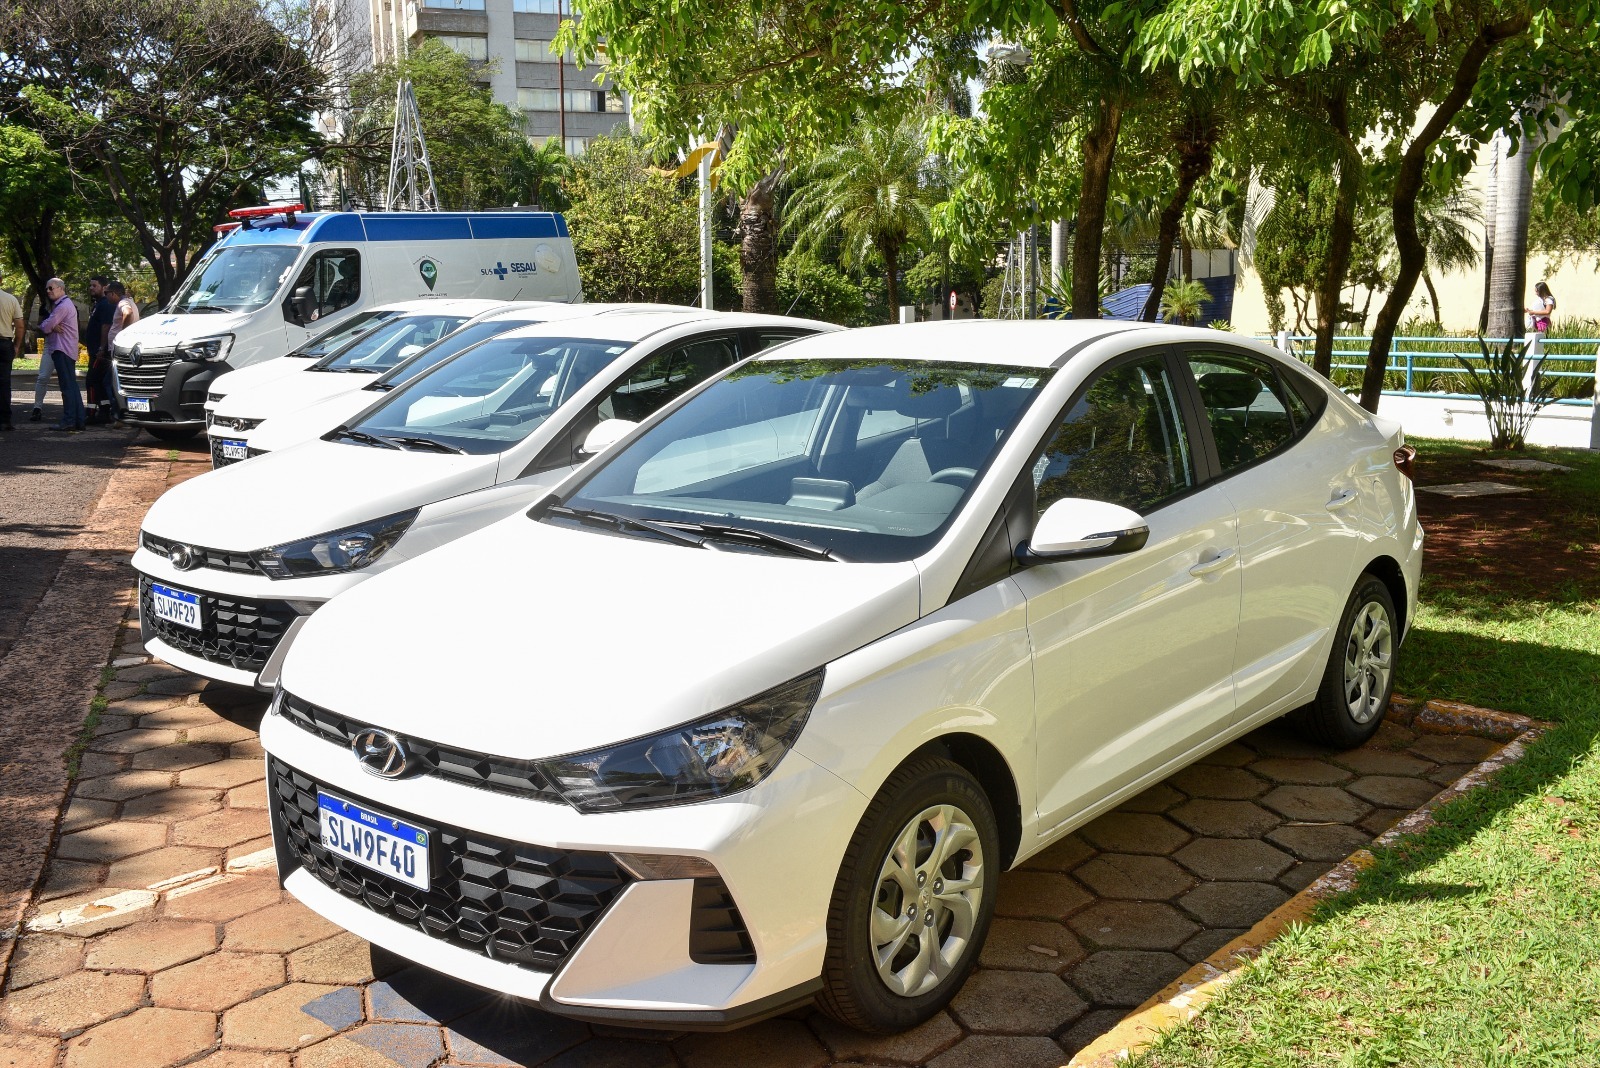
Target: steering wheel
{"x": 958, "y": 476}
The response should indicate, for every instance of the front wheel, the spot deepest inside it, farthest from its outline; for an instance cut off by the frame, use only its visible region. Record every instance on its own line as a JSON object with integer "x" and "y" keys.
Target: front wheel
{"x": 913, "y": 900}
{"x": 1359, "y": 678}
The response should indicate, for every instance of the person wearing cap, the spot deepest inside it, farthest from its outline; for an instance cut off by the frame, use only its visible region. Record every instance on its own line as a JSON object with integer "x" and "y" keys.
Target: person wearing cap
{"x": 12, "y": 326}
{"x": 60, "y": 330}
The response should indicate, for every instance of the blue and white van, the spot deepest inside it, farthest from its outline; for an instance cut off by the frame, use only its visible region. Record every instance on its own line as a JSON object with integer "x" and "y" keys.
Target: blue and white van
{"x": 280, "y": 275}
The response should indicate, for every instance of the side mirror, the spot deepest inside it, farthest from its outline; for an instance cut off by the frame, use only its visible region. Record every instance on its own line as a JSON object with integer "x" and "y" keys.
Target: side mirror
{"x": 297, "y": 309}
{"x": 1074, "y": 528}
{"x": 605, "y": 435}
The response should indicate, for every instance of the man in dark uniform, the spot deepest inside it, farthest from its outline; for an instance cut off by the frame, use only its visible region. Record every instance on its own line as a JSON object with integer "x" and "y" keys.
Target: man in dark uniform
{"x": 102, "y": 394}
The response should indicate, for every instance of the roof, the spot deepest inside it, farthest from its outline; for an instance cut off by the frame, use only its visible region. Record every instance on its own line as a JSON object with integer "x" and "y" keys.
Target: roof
{"x": 1002, "y": 342}
{"x": 624, "y": 322}
{"x": 400, "y": 226}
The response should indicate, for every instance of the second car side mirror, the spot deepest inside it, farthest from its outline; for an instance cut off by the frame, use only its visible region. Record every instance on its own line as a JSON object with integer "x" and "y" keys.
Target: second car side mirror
{"x": 606, "y": 434}
{"x": 1075, "y": 527}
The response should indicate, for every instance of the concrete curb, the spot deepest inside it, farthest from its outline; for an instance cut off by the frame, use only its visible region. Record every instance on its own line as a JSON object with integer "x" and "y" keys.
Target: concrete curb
{"x": 1187, "y": 996}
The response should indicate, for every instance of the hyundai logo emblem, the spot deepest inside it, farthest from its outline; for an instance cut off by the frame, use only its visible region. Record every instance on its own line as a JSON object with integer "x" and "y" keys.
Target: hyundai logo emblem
{"x": 182, "y": 556}
{"x": 381, "y": 753}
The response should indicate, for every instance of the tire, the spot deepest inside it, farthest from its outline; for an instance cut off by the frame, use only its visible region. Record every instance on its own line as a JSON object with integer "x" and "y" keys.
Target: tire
{"x": 174, "y": 434}
{"x": 1359, "y": 678}
{"x": 921, "y": 802}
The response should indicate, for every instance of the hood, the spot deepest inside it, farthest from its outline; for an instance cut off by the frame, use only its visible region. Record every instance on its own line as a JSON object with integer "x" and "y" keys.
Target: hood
{"x": 312, "y": 421}
{"x": 246, "y": 378}
{"x": 529, "y": 640}
{"x": 317, "y": 487}
{"x": 289, "y": 393}
{"x": 159, "y": 332}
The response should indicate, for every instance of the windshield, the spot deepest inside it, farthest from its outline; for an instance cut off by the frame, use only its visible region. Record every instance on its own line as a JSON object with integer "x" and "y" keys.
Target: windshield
{"x": 340, "y": 335}
{"x": 491, "y": 397}
{"x": 236, "y": 279}
{"x": 868, "y": 459}
{"x": 388, "y": 344}
{"x": 444, "y": 348}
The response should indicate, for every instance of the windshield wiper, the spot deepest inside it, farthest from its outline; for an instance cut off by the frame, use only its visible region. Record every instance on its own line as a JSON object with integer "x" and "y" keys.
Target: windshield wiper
{"x": 622, "y": 522}
{"x": 361, "y": 436}
{"x": 207, "y": 308}
{"x": 760, "y": 537}
{"x": 427, "y": 443}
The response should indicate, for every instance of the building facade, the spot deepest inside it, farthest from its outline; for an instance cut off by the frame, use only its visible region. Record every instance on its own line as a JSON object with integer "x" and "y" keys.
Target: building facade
{"x": 512, "y": 39}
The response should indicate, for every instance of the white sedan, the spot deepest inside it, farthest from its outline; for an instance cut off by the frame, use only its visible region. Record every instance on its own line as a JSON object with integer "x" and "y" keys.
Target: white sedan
{"x": 755, "y": 708}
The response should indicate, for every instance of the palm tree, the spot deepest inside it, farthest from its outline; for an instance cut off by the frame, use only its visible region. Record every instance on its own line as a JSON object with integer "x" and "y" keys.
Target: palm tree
{"x": 1182, "y": 299}
{"x": 1508, "y": 263}
{"x": 1445, "y": 224}
{"x": 871, "y": 192}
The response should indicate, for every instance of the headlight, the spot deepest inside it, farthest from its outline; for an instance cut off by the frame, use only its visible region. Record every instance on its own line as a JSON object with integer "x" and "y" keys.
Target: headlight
{"x": 722, "y": 754}
{"x": 208, "y": 349}
{"x": 337, "y": 551}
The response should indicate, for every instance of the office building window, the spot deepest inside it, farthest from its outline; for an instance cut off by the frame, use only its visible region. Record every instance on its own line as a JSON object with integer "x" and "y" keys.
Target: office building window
{"x": 454, "y": 5}
{"x": 576, "y": 145}
{"x": 577, "y": 100}
{"x": 474, "y": 48}
{"x": 545, "y": 7}
{"x": 614, "y": 102}
{"x": 535, "y": 52}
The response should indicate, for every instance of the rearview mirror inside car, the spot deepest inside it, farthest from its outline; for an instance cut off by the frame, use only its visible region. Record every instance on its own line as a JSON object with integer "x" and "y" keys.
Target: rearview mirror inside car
{"x": 1075, "y": 527}
{"x": 606, "y": 434}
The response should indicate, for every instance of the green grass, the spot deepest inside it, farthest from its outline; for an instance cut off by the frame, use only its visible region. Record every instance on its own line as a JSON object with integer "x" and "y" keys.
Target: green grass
{"x": 73, "y": 756}
{"x": 1477, "y": 942}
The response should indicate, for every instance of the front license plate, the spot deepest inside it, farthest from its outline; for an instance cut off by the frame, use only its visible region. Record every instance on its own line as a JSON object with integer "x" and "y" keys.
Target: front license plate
{"x": 175, "y": 606}
{"x": 234, "y": 450}
{"x": 139, "y": 404}
{"x": 373, "y": 840}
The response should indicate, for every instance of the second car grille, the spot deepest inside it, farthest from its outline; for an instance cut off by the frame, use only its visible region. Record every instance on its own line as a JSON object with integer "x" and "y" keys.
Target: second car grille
{"x": 148, "y": 377}
{"x": 513, "y": 902}
{"x": 501, "y": 774}
{"x": 234, "y": 633}
{"x": 216, "y": 559}
{"x": 219, "y": 460}
{"x": 234, "y": 422}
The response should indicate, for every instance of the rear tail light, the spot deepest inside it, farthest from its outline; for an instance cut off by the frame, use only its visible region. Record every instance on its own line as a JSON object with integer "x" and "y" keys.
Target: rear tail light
{"x": 1404, "y": 457}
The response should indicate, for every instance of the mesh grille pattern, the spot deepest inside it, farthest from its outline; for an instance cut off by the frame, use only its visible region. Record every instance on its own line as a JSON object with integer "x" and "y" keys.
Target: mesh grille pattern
{"x": 216, "y": 559}
{"x": 148, "y": 377}
{"x": 517, "y": 903}
{"x": 237, "y": 634}
{"x": 218, "y": 459}
{"x": 499, "y": 774}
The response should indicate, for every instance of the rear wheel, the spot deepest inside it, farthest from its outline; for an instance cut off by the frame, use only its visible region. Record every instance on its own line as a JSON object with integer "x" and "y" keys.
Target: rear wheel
{"x": 913, "y": 900}
{"x": 173, "y": 433}
{"x": 1359, "y": 678}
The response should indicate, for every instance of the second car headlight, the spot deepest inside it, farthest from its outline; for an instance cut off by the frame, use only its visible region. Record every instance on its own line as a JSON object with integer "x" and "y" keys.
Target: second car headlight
{"x": 349, "y": 549}
{"x": 723, "y": 753}
{"x": 208, "y": 349}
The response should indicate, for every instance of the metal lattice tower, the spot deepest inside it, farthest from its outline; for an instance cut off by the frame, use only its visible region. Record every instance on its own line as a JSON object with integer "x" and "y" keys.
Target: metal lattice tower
{"x": 411, "y": 185}
{"x": 1019, "y": 289}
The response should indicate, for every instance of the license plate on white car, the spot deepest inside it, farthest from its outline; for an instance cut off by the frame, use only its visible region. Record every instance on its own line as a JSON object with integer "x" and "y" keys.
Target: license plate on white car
{"x": 374, "y": 840}
{"x": 233, "y": 450}
{"x": 139, "y": 404}
{"x": 175, "y": 606}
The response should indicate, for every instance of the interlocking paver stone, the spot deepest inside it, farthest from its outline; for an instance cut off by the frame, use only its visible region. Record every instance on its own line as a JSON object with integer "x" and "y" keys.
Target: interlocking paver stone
{"x": 1331, "y": 842}
{"x": 909, "y": 1047}
{"x": 148, "y": 1038}
{"x": 1303, "y": 875}
{"x": 618, "y": 1053}
{"x": 218, "y": 981}
{"x": 1392, "y": 791}
{"x": 1219, "y": 782}
{"x": 1158, "y": 798}
{"x": 338, "y": 1009}
{"x": 1381, "y": 819}
{"x": 234, "y": 896}
{"x": 1127, "y": 876}
{"x": 1125, "y": 977}
{"x": 170, "y": 806}
{"x": 1062, "y": 856}
{"x": 1132, "y": 925}
{"x": 1017, "y": 1003}
{"x": 158, "y": 865}
{"x": 94, "y": 765}
{"x": 1380, "y": 762}
{"x": 1234, "y": 859}
{"x": 134, "y": 741}
{"x": 1315, "y": 804}
{"x": 985, "y": 1051}
{"x": 1134, "y": 832}
{"x": 1447, "y": 774}
{"x": 1278, "y": 740}
{"x": 27, "y": 1051}
{"x": 220, "y": 732}
{"x": 1232, "y": 755}
{"x": 1225, "y": 819}
{"x": 274, "y": 1021}
{"x": 236, "y": 1058}
{"x": 1090, "y": 1027}
{"x": 176, "y": 757}
{"x": 1300, "y": 770}
{"x": 150, "y": 947}
{"x": 86, "y": 812}
{"x": 112, "y": 841}
{"x": 224, "y": 774}
{"x": 417, "y": 995}
{"x": 71, "y": 1002}
{"x": 71, "y": 877}
{"x": 506, "y": 1035}
{"x": 250, "y": 795}
{"x": 344, "y": 958}
{"x": 223, "y": 828}
{"x": 123, "y": 785}
{"x": 1030, "y": 945}
{"x": 1209, "y": 941}
{"x": 40, "y": 958}
{"x": 277, "y": 929}
{"x": 774, "y": 1044}
{"x": 177, "y": 716}
{"x": 1039, "y": 895}
{"x": 176, "y": 687}
{"x": 340, "y": 1052}
{"x": 1232, "y": 904}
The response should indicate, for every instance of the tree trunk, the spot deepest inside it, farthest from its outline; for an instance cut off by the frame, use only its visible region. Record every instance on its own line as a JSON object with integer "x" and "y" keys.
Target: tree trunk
{"x": 1099, "y": 154}
{"x": 1408, "y": 184}
{"x": 891, "y": 279}
{"x": 1491, "y": 207}
{"x": 758, "y": 245}
{"x": 1341, "y": 237}
{"x": 1433, "y": 296}
{"x": 1194, "y": 163}
{"x": 1508, "y": 278}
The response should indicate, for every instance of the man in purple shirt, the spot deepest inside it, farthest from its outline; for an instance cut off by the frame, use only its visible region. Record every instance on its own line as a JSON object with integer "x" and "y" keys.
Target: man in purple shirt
{"x": 60, "y": 329}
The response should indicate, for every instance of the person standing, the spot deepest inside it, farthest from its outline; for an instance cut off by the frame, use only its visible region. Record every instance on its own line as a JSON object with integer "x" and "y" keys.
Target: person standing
{"x": 98, "y": 381}
{"x": 124, "y": 313}
{"x": 12, "y": 328}
{"x": 60, "y": 329}
{"x": 1540, "y": 311}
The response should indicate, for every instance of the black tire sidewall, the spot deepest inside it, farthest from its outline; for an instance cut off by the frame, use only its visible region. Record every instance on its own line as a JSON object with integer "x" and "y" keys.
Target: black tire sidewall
{"x": 1335, "y": 723}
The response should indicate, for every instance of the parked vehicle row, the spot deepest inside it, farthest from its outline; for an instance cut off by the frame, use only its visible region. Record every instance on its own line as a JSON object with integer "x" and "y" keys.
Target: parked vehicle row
{"x": 678, "y": 668}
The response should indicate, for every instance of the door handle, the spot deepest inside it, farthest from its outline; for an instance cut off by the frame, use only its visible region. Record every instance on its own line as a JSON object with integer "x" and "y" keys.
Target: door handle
{"x": 1344, "y": 500}
{"x": 1216, "y": 563}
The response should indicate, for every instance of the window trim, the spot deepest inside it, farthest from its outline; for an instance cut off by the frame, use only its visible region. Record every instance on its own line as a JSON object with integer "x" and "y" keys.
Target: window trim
{"x": 1183, "y": 354}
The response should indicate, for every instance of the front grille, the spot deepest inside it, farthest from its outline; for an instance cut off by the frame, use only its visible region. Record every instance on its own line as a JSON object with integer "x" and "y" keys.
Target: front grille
{"x": 147, "y": 378}
{"x": 513, "y": 902}
{"x": 234, "y": 633}
{"x": 215, "y": 559}
{"x": 252, "y": 452}
{"x": 499, "y": 774}
{"x": 234, "y": 422}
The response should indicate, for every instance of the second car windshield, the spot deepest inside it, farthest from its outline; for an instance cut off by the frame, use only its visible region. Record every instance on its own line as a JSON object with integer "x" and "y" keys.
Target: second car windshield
{"x": 236, "y": 279}
{"x": 384, "y": 347}
{"x": 446, "y": 347}
{"x": 491, "y": 397}
{"x": 866, "y": 459}
{"x": 344, "y": 333}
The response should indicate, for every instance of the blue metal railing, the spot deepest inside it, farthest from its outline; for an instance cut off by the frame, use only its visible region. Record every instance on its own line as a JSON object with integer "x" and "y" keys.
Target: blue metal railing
{"x": 1564, "y": 358}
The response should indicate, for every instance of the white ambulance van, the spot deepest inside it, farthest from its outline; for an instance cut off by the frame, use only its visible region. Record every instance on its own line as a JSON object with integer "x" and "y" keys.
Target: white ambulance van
{"x": 281, "y": 275}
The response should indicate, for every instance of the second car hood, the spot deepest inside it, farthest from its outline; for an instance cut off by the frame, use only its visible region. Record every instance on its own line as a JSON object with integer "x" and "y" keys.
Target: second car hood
{"x": 249, "y": 378}
{"x": 528, "y": 640}
{"x": 288, "y": 393}
{"x": 311, "y": 489}
{"x": 313, "y": 420}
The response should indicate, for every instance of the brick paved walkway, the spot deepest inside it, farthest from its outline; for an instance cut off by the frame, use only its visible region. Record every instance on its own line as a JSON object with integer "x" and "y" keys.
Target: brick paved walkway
{"x": 194, "y": 950}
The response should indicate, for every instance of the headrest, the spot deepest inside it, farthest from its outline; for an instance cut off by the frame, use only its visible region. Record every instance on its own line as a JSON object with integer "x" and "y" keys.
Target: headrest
{"x": 1228, "y": 389}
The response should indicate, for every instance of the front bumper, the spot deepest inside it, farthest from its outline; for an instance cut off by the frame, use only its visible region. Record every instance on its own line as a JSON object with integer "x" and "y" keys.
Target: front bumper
{"x": 776, "y": 848}
{"x": 177, "y": 397}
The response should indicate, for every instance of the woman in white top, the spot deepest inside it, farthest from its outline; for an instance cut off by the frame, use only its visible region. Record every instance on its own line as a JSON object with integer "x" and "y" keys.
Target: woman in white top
{"x": 1539, "y": 310}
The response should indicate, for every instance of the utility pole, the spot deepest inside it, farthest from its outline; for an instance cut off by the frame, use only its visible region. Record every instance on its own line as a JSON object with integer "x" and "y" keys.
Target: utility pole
{"x": 705, "y": 229}
{"x": 561, "y": 77}
{"x": 411, "y": 186}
